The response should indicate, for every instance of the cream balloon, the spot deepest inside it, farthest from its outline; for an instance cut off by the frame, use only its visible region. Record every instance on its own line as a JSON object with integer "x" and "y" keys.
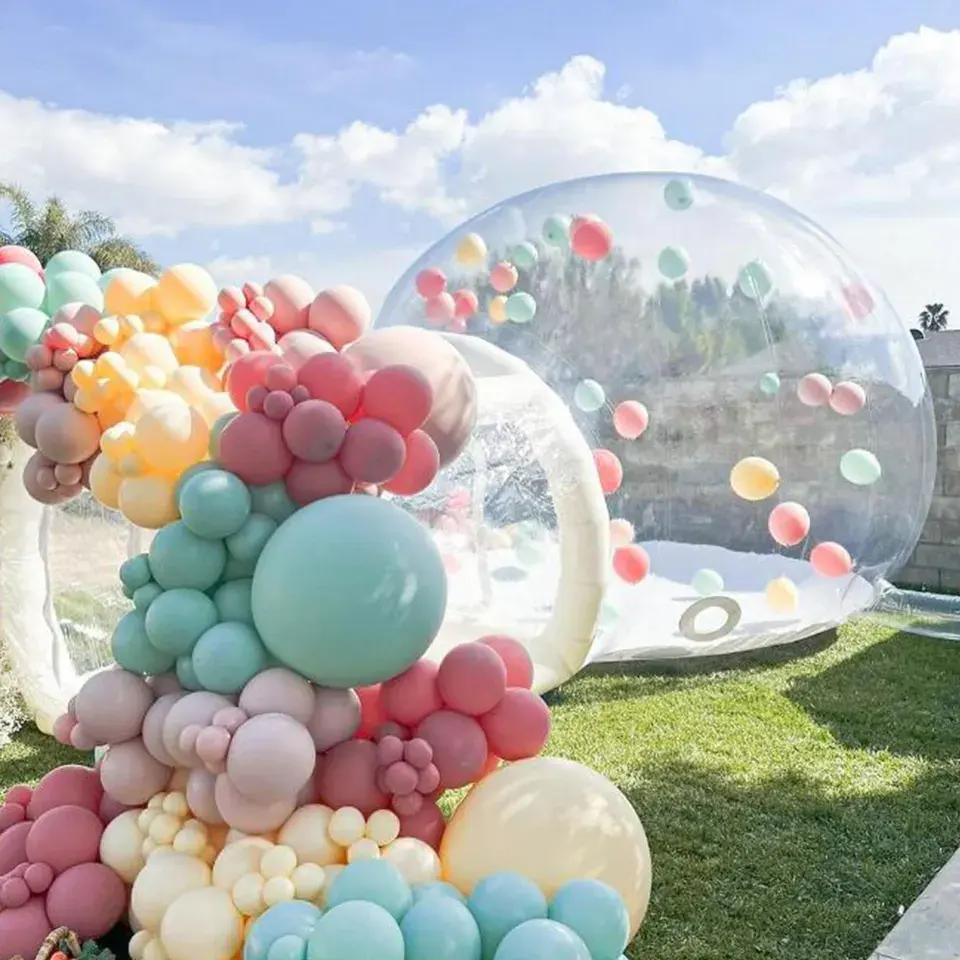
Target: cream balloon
{"x": 553, "y": 821}
{"x": 307, "y": 832}
{"x": 202, "y": 925}
{"x": 166, "y": 876}
{"x": 121, "y": 846}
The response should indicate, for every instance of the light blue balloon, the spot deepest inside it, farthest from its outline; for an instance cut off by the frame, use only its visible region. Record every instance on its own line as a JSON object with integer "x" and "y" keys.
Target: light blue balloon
{"x": 754, "y": 281}
{"x": 248, "y": 542}
{"x": 520, "y": 307}
{"x": 556, "y": 230}
{"x": 437, "y": 888}
{"x": 596, "y": 913}
{"x": 227, "y": 657}
{"x": 589, "y": 396}
{"x": 707, "y": 583}
{"x": 288, "y": 948}
{"x": 297, "y": 918}
{"x": 187, "y": 675}
{"x": 135, "y": 572}
{"x": 673, "y": 262}
{"x": 177, "y": 619}
{"x": 366, "y": 571}
{"x": 440, "y": 928}
{"x": 179, "y": 558}
{"x": 770, "y": 384}
{"x": 144, "y": 596}
{"x": 19, "y": 287}
{"x": 233, "y": 601}
{"x": 501, "y": 902}
{"x": 72, "y": 287}
{"x": 72, "y": 261}
{"x": 525, "y": 256}
{"x": 542, "y": 940}
{"x": 238, "y": 569}
{"x": 356, "y": 931}
{"x": 202, "y": 467}
{"x": 133, "y": 650}
{"x": 374, "y": 881}
{"x": 214, "y": 504}
{"x": 678, "y": 195}
{"x": 20, "y": 329}
{"x": 860, "y": 467}
{"x": 273, "y": 501}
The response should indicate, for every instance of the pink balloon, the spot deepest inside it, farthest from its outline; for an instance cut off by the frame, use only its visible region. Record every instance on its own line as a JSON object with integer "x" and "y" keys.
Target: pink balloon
{"x": 609, "y": 469}
{"x": 14, "y": 254}
{"x": 80, "y": 316}
{"x": 193, "y": 710}
{"x": 630, "y": 419}
{"x": 341, "y": 314}
{"x": 252, "y": 447}
{"x": 63, "y": 727}
{"x": 64, "y": 837}
{"x": 518, "y": 727}
{"x": 112, "y": 705}
{"x": 291, "y": 297}
{"x": 153, "y": 728}
{"x": 431, "y": 282}
{"x": 246, "y": 815}
{"x": 440, "y": 309}
{"x": 427, "y": 824}
{"x": 400, "y": 396}
{"x": 308, "y": 482}
{"x": 314, "y": 431}
{"x": 590, "y": 239}
{"x": 38, "y": 877}
{"x": 459, "y": 747}
{"x": 848, "y": 398}
{"x": 372, "y": 452}
{"x": 70, "y": 785}
{"x": 164, "y": 684}
{"x": 271, "y": 757}
{"x": 831, "y": 560}
{"x": 371, "y": 711}
{"x": 465, "y": 304}
{"x": 789, "y": 524}
{"x": 472, "y": 679}
{"x": 334, "y": 378}
{"x": 515, "y": 658}
{"x": 814, "y": 390}
{"x": 279, "y": 690}
{"x": 13, "y": 845}
{"x": 22, "y": 931}
{"x": 110, "y": 809}
{"x": 347, "y": 777}
{"x": 246, "y": 373}
{"x": 201, "y": 796}
{"x": 230, "y": 300}
{"x": 12, "y": 394}
{"x": 130, "y": 775}
{"x": 413, "y": 695}
{"x": 67, "y": 435}
{"x": 503, "y": 277}
{"x": 298, "y": 346}
{"x": 277, "y": 404}
{"x": 88, "y": 899}
{"x": 29, "y": 413}
{"x": 335, "y": 717}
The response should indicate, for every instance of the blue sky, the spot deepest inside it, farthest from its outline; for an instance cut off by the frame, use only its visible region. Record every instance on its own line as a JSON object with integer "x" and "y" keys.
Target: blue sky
{"x": 281, "y": 67}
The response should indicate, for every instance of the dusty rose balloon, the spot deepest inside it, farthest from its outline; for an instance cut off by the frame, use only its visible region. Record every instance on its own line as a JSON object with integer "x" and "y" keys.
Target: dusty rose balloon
{"x": 278, "y": 690}
{"x": 13, "y": 846}
{"x": 29, "y": 413}
{"x": 201, "y": 796}
{"x": 131, "y": 775}
{"x": 518, "y": 726}
{"x": 271, "y": 757}
{"x": 152, "y": 730}
{"x": 454, "y": 411}
{"x": 22, "y": 931}
{"x": 472, "y": 679}
{"x": 427, "y": 824}
{"x": 71, "y": 785}
{"x": 12, "y": 393}
{"x": 246, "y": 815}
{"x": 64, "y": 837}
{"x": 309, "y": 482}
{"x": 459, "y": 747}
{"x": 348, "y": 777}
{"x": 112, "y": 705}
{"x": 67, "y": 435}
{"x": 341, "y": 314}
{"x": 412, "y": 696}
{"x": 252, "y": 447}
{"x": 372, "y": 452}
{"x": 110, "y": 809}
{"x": 88, "y": 899}
{"x": 298, "y": 346}
{"x": 515, "y": 658}
{"x": 291, "y": 297}
{"x": 814, "y": 390}
{"x": 335, "y": 717}
{"x": 195, "y": 709}
{"x": 314, "y": 431}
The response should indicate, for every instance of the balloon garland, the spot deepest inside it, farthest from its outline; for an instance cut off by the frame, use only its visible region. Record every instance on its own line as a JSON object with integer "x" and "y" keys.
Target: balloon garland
{"x": 274, "y": 746}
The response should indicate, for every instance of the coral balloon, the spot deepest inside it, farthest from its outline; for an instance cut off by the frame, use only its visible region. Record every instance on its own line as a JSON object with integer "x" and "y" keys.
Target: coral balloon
{"x": 252, "y": 447}
{"x": 291, "y": 298}
{"x": 609, "y": 469}
{"x": 630, "y": 419}
{"x": 515, "y": 658}
{"x": 789, "y": 524}
{"x": 518, "y": 726}
{"x": 247, "y": 372}
{"x": 420, "y": 466}
{"x": 831, "y": 560}
{"x": 400, "y": 396}
{"x": 631, "y": 563}
{"x": 412, "y": 696}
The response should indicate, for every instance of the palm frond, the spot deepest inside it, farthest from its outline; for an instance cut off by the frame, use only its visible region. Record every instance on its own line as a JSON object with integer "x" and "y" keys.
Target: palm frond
{"x": 121, "y": 252}
{"x": 6, "y": 239}
{"x": 94, "y": 227}
{"x": 23, "y": 214}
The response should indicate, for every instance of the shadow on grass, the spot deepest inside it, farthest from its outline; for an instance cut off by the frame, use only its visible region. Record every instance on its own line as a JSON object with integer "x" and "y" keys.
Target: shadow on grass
{"x": 781, "y": 869}
{"x": 33, "y": 754}
{"x": 901, "y": 695}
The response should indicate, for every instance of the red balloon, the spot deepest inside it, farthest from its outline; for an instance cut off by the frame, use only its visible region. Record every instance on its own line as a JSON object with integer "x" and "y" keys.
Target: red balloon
{"x": 372, "y": 715}
{"x": 314, "y": 431}
{"x": 412, "y": 696}
{"x": 465, "y": 303}
{"x": 252, "y": 447}
{"x": 399, "y": 396}
{"x": 332, "y": 377}
{"x": 518, "y": 727}
{"x": 609, "y": 469}
{"x": 308, "y": 482}
{"x": 515, "y": 658}
{"x": 431, "y": 282}
{"x": 247, "y": 372}
{"x": 459, "y": 747}
{"x": 11, "y": 393}
{"x": 372, "y": 452}
{"x": 472, "y": 679}
{"x": 631, "y": 563}
{"x": 420, "y": 466}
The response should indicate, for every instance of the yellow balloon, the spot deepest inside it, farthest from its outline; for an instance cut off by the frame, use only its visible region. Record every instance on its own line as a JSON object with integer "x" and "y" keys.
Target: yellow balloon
{"x": 105, "y": 482}
{"x": 782, "y": 595}
{"x": 754, "y": 478}
{"x": 202, "y": 925}
{"x": 307, "y": 832}
{"x": 166, "y": 876}
{"x": 171, "y": 436}
{"x": 193, "y": 344}
{"x": 148, "y": 501}
{"x": 237, "y": 860}
{"x": 553, "y": 821}
{"x": 472, "y": 250}
{"x": 185, "y": 292}
{"x": 497, "y": 310}
{"x": 149, "y": 350}
{"x": 127, "y": 292}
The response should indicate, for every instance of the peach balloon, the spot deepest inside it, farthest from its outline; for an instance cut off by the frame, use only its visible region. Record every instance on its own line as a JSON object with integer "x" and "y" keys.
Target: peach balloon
{"x": 782, "y": 595}
{"x": 203, "y": 924}
{"x": 105, "y": 482}
{"x": 789, "y": 524}
{"x": 291, "y": 297}
{"x": 172, "y": 436}
{"x": 754, "y": 478}
{"x": 831, "y": 560}
{"x": 128, "y": 293}
{"x": 341, "y": 314}
{"x": 814, "y": 390}
{"x": 848, "y": 398}
{"x": 185, "y": 292}
{"x": 148, "y": 502}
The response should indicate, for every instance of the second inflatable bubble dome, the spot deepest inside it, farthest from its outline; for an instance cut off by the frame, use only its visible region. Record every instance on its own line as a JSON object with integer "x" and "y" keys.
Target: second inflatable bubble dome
{"x": 701, "y": 429}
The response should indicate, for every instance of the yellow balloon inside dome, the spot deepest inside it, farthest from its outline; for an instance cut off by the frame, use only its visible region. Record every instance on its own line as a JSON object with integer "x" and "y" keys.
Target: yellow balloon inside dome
{"x": 148, "y": 502}
{"x": 129, "y": 292}
{"x": 497, "y": 310}
{"x": 105, "y": 482}
{"x": 552, "y": 821}
{"x": 202, "y": 925}
{"x": 782, "y": 595}
{"x": 754, "y": 478}
{"x": 185, "y": 292}
{"x": 193, "y": 344}
{"x": 472, "y": 250}
{"x": 172, "y": 436}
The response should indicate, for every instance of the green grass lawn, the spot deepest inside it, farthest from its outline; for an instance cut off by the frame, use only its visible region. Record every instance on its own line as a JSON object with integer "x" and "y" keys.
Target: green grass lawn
{"x": 794, "y": 804}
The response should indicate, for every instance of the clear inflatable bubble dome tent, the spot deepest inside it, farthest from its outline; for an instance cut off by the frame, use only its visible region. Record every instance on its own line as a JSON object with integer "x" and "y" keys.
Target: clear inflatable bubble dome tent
{"x": 701, "y": 429}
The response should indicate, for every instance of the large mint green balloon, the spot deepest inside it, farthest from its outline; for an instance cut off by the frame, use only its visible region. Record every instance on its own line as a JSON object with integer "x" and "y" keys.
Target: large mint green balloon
{"x": 20, "y": 329}
{"x": 860, "y": 467}
{"x": 227, "y": 657}
{"x": 349, "y": 591}
{"x": 71, "y": 261}
{"x": 19, "y": 287}
{"x": 177, "y": 619}
{"x": 133, "y": 650}
{"x": 72, "y": 287}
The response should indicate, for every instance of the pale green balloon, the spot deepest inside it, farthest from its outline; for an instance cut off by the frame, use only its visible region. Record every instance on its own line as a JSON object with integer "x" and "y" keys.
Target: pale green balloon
{"x": 71, "y": 261}
{"x": 770, "y": 384}
{"x": 524, "y": 256}
{"x": 589, "y": 396}
{"x": 673, "y": 262}
{"x": 556, "y": 230}
{"x": 678, "y": 195}
{"x": 754, "y": 281}
{"x": 521, "y": 307}
{"x": 19, "y": 287}
{"x": 20, "y": 329}
{"x": 707, "y": 583}
{"x": 72, "y": 287}
{"x": 860, "y": 467}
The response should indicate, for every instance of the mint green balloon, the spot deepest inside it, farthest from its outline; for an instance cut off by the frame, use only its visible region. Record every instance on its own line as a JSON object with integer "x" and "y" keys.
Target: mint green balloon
{"x": 707, "y": 583}
{"x": 234, "y": 601}
{"x": 248, "y": 542}
{"x": 440, "y": 920}
{"x": 178, "y": 618}
{"x": 19, "y": 287}
{"x": 521, "y": 307}
{"x": 191, "y": 472}
{"x": 678, "y": 195}
{"x": 556, "y": 230}
{"x": 133, "y": 650}
{"x": 214, "y": 504}
{"x": 72, "y": 287}
{"x": 589, "y": 396}
{"x": 179, "y": 558}
{"x": 860, "y": 467}
{"x": 72, "y": 261}
{"x": 145, "y": 595}
{"x": 770, "y": 384}
{"x": 227, "y": 657}
{"x": 673, "y": 262}
{"x": 273, "y": 501}
{"x": 596, "y": 913}
{"x": 20, "y": 329}
{"x": 135, "y": 572}
{"x": 525, "y": 256}
{"x": 349, "y": 591}
{"x": 186, "y": 674}
{"x": 238, "y": 569}
{"x": 14, "y": 370}
{"x": 754, "y": 281}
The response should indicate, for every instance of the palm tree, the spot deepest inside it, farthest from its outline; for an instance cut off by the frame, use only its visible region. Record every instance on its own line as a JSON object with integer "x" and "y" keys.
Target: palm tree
{"x": 933, "y": 317}
{"x": 52, "y": 228}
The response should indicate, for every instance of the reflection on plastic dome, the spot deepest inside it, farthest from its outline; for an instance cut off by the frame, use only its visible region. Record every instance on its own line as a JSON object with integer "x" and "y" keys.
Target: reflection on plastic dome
{"x": 720, "y": 436}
